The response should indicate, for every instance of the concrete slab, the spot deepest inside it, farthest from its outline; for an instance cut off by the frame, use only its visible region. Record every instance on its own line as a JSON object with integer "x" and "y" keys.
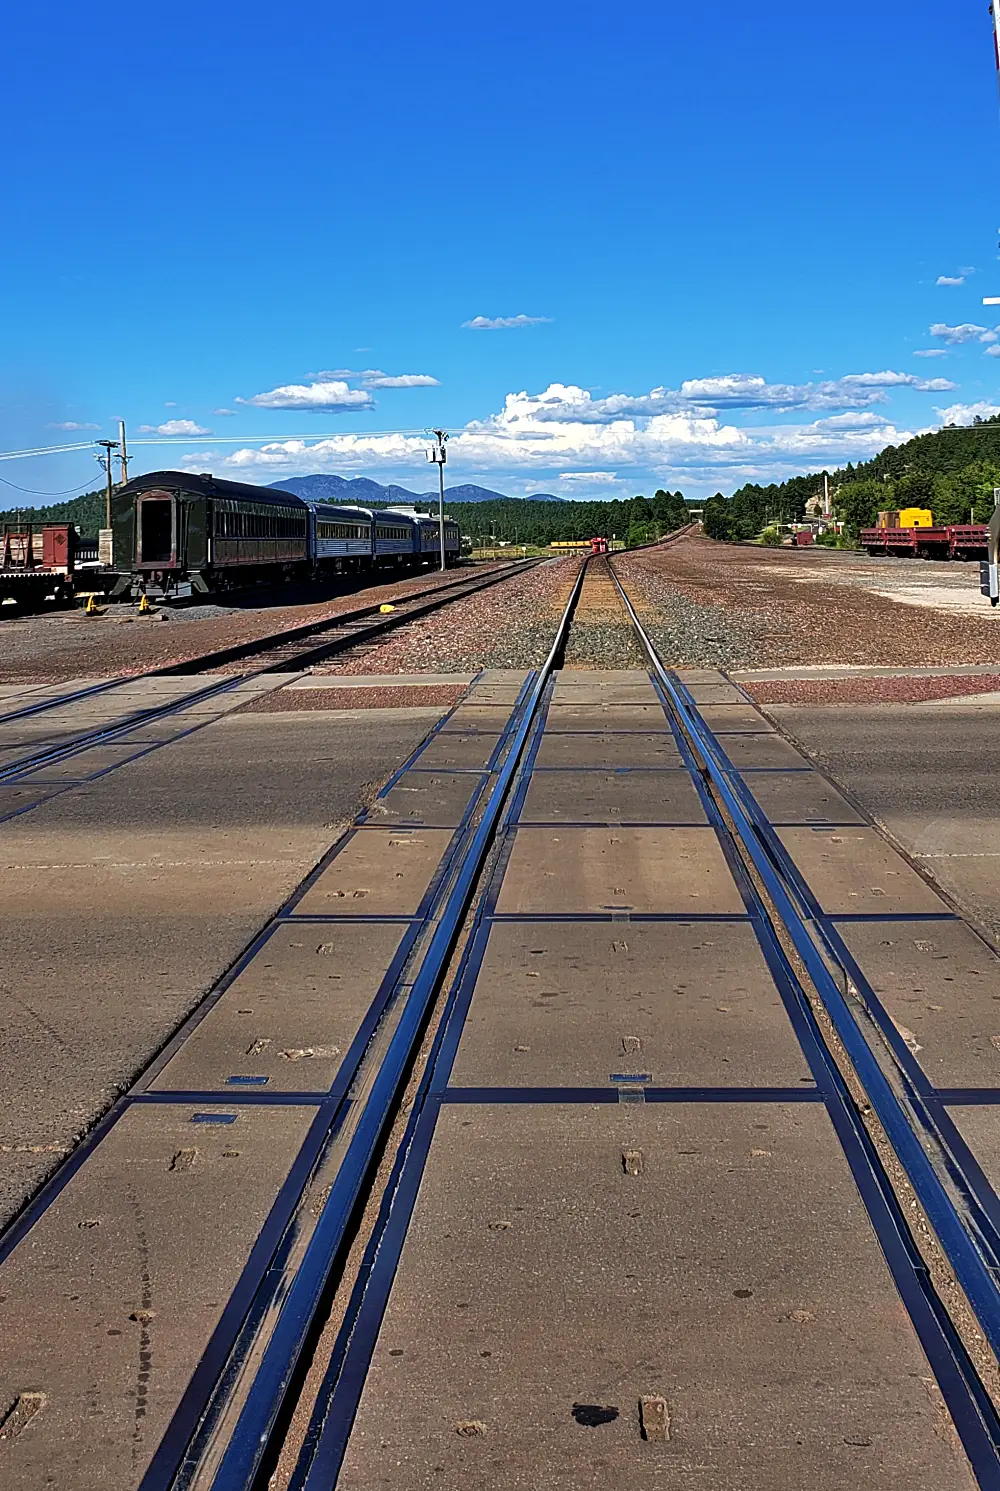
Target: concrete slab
{"x": 770, "y": 751}
{"x": 574, "y": 870}
{"x": 291, "y": 1015}
{"x": 715, "y": 693}
{"x": 109, "y": 1303}
{"x": 543, "y": 1291}
{"x": 437, "y": 798}
{"x": 941, "y": 985}
{"x": 568, "y": 1004}
{"x": 980, "y": 1129}
{"x": 735, "y": 719}
{"x": 564, "y": 748}
{"x": 800, "y": 797}
{"x": 492, "y": 718}
{"x": 450, "y": 750}
{"x": 84, "y": 764}
{"x": 604, "y": 797}
{"x": 641, "y": 717}
{"x": 380, "y": 872}
{"x": 853, "y": 870}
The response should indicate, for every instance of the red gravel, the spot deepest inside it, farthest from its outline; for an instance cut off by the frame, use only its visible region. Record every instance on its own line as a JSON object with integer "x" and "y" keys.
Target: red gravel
{"x": 390, "y": 697}
{"x": 51, "y": 649}
{"x": 898, "y": 690}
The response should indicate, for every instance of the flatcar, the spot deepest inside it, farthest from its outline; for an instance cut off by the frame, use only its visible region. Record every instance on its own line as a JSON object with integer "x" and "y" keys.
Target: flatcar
{"x": 183, "y": 534}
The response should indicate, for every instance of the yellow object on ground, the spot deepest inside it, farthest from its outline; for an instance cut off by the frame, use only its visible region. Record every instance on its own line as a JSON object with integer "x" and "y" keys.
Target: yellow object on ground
{"x": 143, "y": 606}
{"x": 385, "y": 609}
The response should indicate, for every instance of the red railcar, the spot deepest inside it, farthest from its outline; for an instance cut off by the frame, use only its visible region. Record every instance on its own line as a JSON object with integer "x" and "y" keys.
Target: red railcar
{"x": 954, "y": 541}
{"x": 598, "y": 546}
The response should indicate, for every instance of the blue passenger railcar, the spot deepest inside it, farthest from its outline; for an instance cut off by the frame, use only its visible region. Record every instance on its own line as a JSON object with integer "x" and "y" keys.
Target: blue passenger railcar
{"x": 395, "y": 538}
{"x": 341, "y": 538}
{"x": 430, "y": 540}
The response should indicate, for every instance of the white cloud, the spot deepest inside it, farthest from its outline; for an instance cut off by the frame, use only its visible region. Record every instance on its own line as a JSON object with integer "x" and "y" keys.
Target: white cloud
{"x": 522, "y": 444}
{"x": 225, "y": 413}
{"x": 174, "y": 427}
{"x": 950, "y": 279}
{"x": 71, "y": 424}
{"x": 931, "y": 352}
{"x": 323, "y": 397}
{"x": 955, "y": 335}
{"x": 964, "y": 414}
{"x": 993, "y": 351}
{"x": 170, "y": 404}
{"x": 500, "y": 323}
{"x": 604, "y": 478}
{"x": 400, "y": 380}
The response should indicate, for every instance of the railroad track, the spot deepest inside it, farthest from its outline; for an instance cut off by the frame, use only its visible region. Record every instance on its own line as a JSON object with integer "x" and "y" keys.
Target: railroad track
{"x": 294, "y": 649}
{"x": 497, "y": 836}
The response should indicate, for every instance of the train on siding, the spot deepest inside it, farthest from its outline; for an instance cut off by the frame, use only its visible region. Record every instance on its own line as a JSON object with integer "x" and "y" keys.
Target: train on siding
{"x": 179, "y": 534}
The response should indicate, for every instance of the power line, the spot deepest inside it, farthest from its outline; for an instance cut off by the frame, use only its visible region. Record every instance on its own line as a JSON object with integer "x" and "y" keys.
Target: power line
{"x": 182, "y": 440}
{"x": 34, "y": 492}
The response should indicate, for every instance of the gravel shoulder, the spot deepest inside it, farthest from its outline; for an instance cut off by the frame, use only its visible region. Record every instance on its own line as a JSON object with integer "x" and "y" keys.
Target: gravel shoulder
{"x": 719, "y": 605}
{"x": 64, "y": 645}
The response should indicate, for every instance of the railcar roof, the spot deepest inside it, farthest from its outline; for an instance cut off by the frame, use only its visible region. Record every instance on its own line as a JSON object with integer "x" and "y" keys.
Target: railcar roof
{"x": 326, "y": 509}
{"x": 206, "y": 485}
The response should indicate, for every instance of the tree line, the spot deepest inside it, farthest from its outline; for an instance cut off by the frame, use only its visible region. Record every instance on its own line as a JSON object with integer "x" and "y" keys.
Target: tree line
{"x": 510, "y": 520}
{"x": 953, "y": 472}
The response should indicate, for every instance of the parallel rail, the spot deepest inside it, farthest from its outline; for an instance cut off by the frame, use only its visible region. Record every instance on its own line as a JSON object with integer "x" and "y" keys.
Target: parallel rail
{"x": 292, "y": 650}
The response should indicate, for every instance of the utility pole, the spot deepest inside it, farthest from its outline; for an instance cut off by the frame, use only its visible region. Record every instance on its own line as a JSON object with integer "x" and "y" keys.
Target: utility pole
{"x": 439, "y": 455}
{"x": 123, "y": 452}
{"x": 105, "y": 460}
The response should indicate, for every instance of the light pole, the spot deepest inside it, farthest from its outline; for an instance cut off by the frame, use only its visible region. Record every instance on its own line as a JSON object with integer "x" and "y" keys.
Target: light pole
{"x": 439, "y": 455}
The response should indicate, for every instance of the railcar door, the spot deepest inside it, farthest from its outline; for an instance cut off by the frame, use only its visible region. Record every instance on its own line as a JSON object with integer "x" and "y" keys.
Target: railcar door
{"x": 156, "y": 530}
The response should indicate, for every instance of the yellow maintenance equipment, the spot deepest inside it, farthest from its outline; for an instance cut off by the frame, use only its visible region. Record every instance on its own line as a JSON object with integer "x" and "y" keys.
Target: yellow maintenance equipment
{"x": 91, "y": 607}
{"x": 906, "y": 517}
{"x": 386, "y": 609}
{"x": 143, "y": 606}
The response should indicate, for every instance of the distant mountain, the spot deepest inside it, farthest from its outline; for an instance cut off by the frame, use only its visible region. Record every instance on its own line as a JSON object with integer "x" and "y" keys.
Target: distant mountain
{"x": 362, "y": 492}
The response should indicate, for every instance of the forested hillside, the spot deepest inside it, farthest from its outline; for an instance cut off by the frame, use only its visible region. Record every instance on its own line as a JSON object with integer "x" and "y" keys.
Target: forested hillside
{"x": 951, "y": 471}
{"x": 87, "y": 512}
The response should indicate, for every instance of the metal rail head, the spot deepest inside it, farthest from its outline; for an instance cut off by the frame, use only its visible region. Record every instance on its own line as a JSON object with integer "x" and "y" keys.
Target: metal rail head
{"x": 973, "y": 1271}
{"x": 259, "y": 1417}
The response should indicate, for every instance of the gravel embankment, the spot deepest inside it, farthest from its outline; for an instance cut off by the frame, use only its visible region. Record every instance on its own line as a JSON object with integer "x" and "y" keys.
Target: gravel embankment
{"x": 710, "y": 605}
{"x": 60, "y": 646}
{"x": 508, "y": 626}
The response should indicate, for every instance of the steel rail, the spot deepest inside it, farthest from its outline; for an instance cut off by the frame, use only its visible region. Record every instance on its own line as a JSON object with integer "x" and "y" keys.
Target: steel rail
{"x": 243, "y": 649}
{"x": 106, "y": 734}
{"x": 964, "y": 1250}
{"x": 259, "y": 1415}
{"x": 433, "y": 597}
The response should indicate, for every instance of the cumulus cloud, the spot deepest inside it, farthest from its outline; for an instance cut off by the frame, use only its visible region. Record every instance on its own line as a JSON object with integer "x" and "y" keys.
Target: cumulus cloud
{"x": 174, "y": 427}
{"x": 400, "y": 380}
{"x": 71, "y": 424}
{"x": 606, "y": 478}
{"x": 968, "y": 331}
{"x": 993, "y": 351}
{"x": 964, "y": 414}
{"x": 502, "y": 323}
{"x": 523, "y": 444}
{"x": 950, "y": 279}
{"x": 324, "y": 397}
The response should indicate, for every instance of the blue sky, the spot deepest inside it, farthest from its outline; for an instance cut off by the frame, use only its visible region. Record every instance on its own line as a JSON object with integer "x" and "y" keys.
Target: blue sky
{"x": 719, "y": 232}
